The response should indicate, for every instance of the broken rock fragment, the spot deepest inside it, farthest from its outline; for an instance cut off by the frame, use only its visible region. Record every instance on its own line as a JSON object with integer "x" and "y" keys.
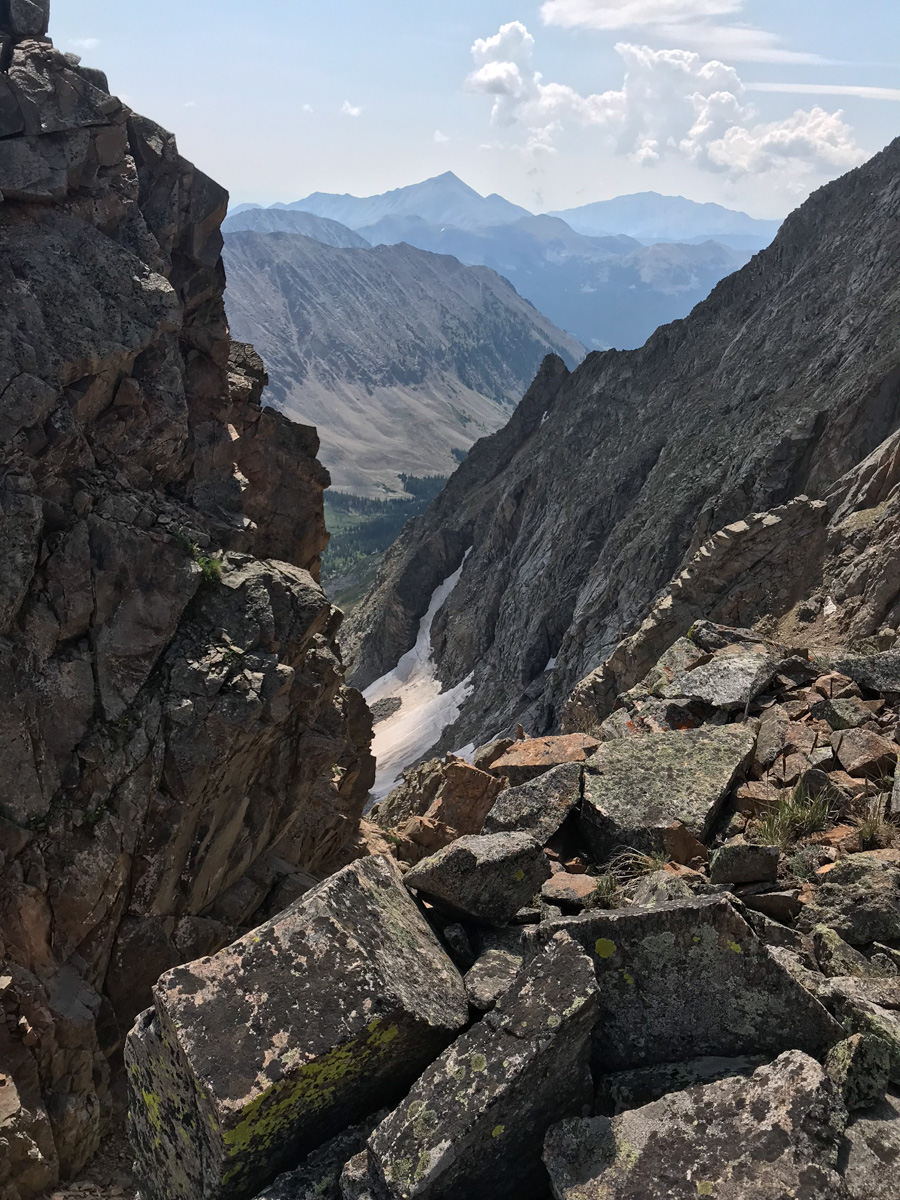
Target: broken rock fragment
{"x": 686, "y": 980}
{"x": 253, "y": 1058}
{"x": 774, "y": 1136}
{"x": 527, "y": 759}
{"x": 538, "y": 807}
{"x": 473, "y": 1124}
{"x": 486, "y": 878}
{"x": 636, "y": 788}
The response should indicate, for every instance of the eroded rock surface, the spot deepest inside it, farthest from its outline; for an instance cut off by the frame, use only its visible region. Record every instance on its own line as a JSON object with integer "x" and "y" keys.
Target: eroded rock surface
{"x": 332, "y": 1009}
{"x": 175, "y": 734}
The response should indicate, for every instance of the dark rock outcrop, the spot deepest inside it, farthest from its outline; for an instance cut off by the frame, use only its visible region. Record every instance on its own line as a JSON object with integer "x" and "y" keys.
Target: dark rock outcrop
{"x": 175, "y": 734}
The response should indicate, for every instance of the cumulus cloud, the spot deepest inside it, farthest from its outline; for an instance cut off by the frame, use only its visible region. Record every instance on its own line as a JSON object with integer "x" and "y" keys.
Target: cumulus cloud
{"x": 351, "y": 110}
{"x": 307, "y": 108}
{"x": 693, "y": 23}
{"x": 672, "y": 103}
{"x": 85, "y": 43}
{"x": 440, "y": 139}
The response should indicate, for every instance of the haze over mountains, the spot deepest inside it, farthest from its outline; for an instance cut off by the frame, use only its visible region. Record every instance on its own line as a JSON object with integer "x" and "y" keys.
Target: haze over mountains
{"x": 598, "y": 281}
{"x": 401, "y": 358}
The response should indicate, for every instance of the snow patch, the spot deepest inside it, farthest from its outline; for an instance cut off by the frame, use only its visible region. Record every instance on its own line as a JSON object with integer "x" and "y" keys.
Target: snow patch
{"x": 467, "y": 753}
{"x": 425, "y": 711}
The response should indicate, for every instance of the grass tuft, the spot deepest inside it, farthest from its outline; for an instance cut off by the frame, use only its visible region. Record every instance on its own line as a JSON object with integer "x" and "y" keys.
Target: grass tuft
{"x": 796, "y": 816}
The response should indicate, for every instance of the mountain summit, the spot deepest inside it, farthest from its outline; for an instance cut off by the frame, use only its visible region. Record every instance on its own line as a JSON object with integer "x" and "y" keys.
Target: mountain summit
{"x": 443, "y": 200}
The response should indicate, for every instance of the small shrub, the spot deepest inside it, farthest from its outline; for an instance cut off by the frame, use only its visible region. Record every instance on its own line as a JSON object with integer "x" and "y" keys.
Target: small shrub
{"x": 210, "y": 567}
{"x": 796, "y": 816}
{"x": 804, "y": 864}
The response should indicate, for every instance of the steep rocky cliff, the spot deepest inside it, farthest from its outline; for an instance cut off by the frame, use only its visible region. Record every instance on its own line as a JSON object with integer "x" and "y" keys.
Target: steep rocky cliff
{"x": 608, "y": 482}
{"x": 176, "y": 740}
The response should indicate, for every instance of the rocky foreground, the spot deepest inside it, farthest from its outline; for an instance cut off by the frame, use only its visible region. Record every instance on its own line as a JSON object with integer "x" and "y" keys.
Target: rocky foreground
{"x": 657, "y": 959}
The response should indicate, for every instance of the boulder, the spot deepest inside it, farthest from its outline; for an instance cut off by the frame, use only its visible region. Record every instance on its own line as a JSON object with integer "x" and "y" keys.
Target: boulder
{"x": 473, "y": 1124}
{"x": 774, "y": 1136}
{"x": 527, "y": 759}
{"x": 738, "y": 862}
{"x": 868, "y": 1006}
{"x": 490, "y": 977}
{"x": 569, "y": 891}
{"x": 859, "y": 900}
{"x": 860, "y": 1066}
{"x": 486, "y": 878}
{"x": 875, "y": 672}
{"x": 331, "y": 1008}
{"x": 622, "y": 1090}
{"x": 846, "y": 713}
{"x": 636, "y": 788}
{"x": 29, "y": 18}
{"x": 660, "y": 887}
{"x": 729, "y": 680}
{"x": 872, "y": 1152}
{"x": 688, "y": 980}
{"x": 864, "y": 753}
{"x": 835, "y": 957}
{"x": 538, "y": 807}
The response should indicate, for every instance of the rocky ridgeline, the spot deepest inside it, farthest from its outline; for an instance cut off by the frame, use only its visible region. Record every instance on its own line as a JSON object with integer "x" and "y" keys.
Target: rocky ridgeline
{"x": 177, "y": 747}
{"x": 657, "y": 958}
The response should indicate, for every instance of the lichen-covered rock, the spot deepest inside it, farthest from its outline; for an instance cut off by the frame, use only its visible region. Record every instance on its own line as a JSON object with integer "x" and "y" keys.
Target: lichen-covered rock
{"x": 859, "y": 900}
{"x": 491, "y": 976}
{"x": 864, "y": 752}
{"x": 729, "y": 680}
{"x": 774, "y": 1136}
{"x": 870, "y": 1006}
{"x": 570, "y": 892}
{"x": 688, "y": 980}
{"x": 660, "y": 887}
{"x": 872, "y": 1152}
{"x": 878, "y": 673}
{"x": 860, "y": 1066}
{"x": 741, "y": 863}
{"x": 330, "y": 1009}
{"x": 622, "y": 1090}
{"x": 835, "y": 957}
{"x": 538, "y": 807}
{"x": 473, "y": 1124}
{"x": 486, "y": 878}
{"x": 635, "y": 788}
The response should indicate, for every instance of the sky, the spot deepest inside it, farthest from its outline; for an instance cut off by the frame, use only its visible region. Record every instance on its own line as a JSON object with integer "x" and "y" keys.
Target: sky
{"x": 551, "y": 103}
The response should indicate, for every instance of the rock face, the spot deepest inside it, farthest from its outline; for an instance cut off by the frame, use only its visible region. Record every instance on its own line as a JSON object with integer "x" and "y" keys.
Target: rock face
{"x": 332, "y": 1008}
{"x": 749, "y": 454}
{"x": 175, "y": 734}
{"x": 775, "y": 1136}
{"x": 472, "y": 1125}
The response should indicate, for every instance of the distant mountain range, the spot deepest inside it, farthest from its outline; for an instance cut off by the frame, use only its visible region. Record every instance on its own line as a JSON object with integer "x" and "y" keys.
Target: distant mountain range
{"x": 280, "y": 220}
{"x": 593, "y": 275}
{"x": 402, "y": 358}
{"x": 650, "y": 217}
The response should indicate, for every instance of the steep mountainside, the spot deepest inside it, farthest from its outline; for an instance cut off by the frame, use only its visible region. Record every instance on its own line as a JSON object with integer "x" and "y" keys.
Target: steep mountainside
{"x": 398, "y": 356}
{"x": 608, "y": 481}
{"x": 444, "y": 200}
{"x": 280, "y": 220}
{"x": 607, "y": 291}
{"x": 651, "y": 217}
{"x": 176, "y": 740}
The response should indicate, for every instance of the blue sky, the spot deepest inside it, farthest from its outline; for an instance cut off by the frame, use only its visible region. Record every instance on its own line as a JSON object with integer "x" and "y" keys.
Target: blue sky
{"x": 751, "y": 103}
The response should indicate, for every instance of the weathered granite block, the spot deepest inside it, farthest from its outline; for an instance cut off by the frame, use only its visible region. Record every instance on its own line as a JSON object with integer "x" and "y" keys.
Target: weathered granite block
{"x": 256, "y": 1056}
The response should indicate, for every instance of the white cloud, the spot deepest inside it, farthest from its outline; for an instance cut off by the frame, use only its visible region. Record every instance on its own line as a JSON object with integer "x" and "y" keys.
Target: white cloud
{"x": 629, "y": 14}
{"x": 827, "y": 89}
{"x": 671, "y": 104}
{"x": 681, "y": 22}
{"x": 440, "y": 139}
{"x": 351, "y": 110}
{"x": 85, "y": 43}
{"x": 307, "y": 108}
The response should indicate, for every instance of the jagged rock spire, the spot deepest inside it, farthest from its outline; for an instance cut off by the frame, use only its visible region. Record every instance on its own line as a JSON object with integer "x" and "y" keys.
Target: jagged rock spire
{"x": 22, "y": 19}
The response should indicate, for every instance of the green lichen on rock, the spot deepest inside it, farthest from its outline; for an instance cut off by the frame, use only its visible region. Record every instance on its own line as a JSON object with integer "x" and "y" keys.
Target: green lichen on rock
{"x": 331, "y": 1009}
